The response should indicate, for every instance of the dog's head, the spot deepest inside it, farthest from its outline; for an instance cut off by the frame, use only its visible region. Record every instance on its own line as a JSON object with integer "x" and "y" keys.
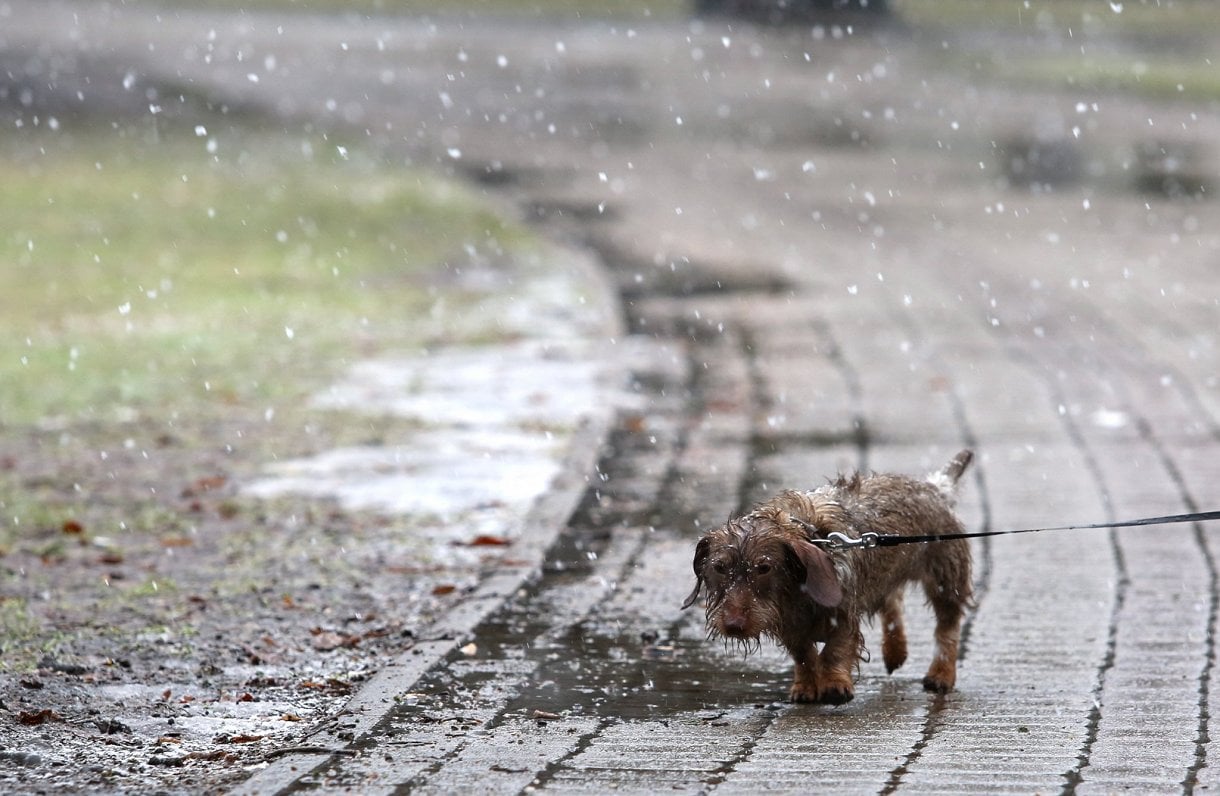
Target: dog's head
{"x": 747, "y": 563}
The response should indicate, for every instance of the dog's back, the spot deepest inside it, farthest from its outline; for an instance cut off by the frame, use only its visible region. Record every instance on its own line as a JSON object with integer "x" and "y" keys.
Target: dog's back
{"x": 888, "y": 503}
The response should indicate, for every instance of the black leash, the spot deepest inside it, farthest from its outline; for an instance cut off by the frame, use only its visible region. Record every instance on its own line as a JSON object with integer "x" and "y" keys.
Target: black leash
{"x": 839, "y": 541}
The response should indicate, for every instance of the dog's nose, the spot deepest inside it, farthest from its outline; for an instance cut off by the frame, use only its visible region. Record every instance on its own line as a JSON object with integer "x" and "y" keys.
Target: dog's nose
{"x": 735, "y": 625}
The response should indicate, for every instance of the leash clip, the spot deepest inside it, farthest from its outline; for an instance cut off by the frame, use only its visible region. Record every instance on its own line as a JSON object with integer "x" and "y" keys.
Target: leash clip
{"x": 841, "y": 541}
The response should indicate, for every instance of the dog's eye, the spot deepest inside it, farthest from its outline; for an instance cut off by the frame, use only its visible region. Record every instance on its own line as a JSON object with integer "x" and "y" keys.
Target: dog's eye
{"x": 762, "y": 568}
{"x": 720, "y": 568}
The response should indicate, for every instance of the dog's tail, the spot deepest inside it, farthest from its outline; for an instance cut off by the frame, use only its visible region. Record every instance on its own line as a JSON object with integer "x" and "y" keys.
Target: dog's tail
{"x": 947, "y": 477}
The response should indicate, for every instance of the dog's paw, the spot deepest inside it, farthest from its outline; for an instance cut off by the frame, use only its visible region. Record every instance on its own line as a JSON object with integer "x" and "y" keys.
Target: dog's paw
{"x": 836, "y": 695}
{"x": 893, "y": 646}
{"x": 803, "y": 693}
{"x": 936, "y": 686}
{"x": 894, "y": 656}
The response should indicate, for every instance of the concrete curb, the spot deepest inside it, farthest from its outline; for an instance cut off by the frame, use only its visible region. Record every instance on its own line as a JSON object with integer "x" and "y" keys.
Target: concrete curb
{"x": 539, "y": 529}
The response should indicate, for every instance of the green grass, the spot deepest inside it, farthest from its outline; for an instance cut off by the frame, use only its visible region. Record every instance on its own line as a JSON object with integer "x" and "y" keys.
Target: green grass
{"x": 1156, "y": 78}
{"x": 1131, "y": 17}
{"x": 138, "y": 278}
{"x": 1167, "y": 35}
{"x": 612, "y": 9}
{"x": 20, "y": 635}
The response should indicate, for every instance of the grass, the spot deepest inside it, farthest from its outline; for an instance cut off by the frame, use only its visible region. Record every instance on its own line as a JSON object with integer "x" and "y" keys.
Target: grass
{"x": 168, "y": 301}
{"x": 20, "y": 634}
{"x": 1165, "y": 33}
{"x": 210, "y": 269}
{"x": 1115, "y": 17}
{"x": 1168, "y": 78}
{"x": 611, "y": 9}
{"x": 1162, "y": 17}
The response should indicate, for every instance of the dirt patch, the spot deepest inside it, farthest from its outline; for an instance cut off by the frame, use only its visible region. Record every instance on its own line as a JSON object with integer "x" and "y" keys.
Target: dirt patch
{"x": 162, "y": 620}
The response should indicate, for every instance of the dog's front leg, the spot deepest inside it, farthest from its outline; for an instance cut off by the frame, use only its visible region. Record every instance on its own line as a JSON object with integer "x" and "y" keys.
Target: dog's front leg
{"x": 839, "y": 656}
{"x": 826, "y": 676}
{"x": 806, "y": 674}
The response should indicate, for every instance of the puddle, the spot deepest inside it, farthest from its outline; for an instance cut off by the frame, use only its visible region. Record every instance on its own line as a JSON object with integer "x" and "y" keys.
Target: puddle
{"x": 625, "y": 679}
{"x": 536, "y": 383}
{"x": 442, "y": 473}
{"x": 494, "y": 424}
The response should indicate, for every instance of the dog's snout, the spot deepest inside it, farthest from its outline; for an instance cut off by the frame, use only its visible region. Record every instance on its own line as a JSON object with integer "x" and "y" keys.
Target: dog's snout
{"x": 735, "y": 624}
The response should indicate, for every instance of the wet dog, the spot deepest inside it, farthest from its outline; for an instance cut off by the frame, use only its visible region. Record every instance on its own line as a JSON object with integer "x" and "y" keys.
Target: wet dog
{"x": 766, "y": 577}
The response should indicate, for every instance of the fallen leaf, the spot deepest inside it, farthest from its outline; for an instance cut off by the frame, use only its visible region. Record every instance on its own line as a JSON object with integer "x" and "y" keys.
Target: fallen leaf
{"x": 546, "y": 715}
{"x": 487, "y": 540}
{"x": 32, "y": 718}
{"x": 290, "y": 717}
{"x": 246, "y": 697}
{"x": 205, "y": 484}
{"x": 332, "y": 685}
{"x": 167, "y": 739}
{"x": 443, "y": 588}
{"x": 110, "y": 558}
{"x": 73, "y": 527}
{"x": 186, "y": 699}
{"x": 177, "y": 541}
{"x": 329, "y": 640}
{"x": 215, "y": 754}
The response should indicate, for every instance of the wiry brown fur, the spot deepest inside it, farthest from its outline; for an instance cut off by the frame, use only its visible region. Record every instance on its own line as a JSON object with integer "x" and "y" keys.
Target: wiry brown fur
{"x": 765, "y": 578}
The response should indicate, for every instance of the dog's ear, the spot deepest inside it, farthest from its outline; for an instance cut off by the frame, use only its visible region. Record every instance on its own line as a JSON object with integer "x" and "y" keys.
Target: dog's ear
{"x": 701, "y": 551}
{"x": 821, "y": 580}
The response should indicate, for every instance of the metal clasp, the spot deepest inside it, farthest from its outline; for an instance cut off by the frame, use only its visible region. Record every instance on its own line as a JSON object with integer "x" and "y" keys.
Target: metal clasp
{"x": 841, "y": 541}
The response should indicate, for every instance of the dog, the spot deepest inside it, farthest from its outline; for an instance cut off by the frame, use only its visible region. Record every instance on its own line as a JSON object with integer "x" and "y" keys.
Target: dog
{"x": 765, "y": 577}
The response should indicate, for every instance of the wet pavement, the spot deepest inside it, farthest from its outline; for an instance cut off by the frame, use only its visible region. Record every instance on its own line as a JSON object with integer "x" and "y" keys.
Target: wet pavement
{"x": 827, "y": 255}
